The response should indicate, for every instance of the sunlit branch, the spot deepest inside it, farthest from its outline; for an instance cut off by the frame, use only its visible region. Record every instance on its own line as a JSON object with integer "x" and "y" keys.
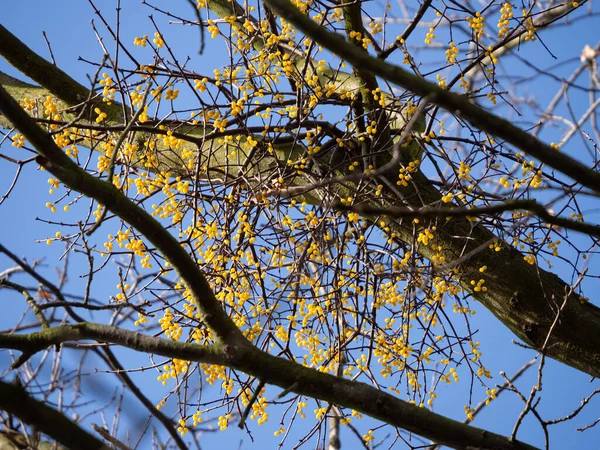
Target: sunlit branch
{"x": 38, "y": 341}
{"x": 30, "y": 301}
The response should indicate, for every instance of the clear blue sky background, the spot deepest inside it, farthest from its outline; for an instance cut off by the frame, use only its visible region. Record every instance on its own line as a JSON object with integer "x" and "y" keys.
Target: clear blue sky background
{"x": 67, "y": 24}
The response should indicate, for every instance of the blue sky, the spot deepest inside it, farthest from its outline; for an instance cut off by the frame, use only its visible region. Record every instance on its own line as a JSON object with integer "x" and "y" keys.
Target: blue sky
{"x": 68, "y": 28}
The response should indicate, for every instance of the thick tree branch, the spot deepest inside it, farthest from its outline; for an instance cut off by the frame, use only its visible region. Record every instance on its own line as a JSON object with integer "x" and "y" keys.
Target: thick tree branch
{"x": 433, "y": 212}
{"x": 48, "y": 75}
{"x": 283, "y": 373}
{"x": 522, "y": 296}
{"x": 14, "y": 399}
{"x": 33, "y": 343}
{"x": 13, "y": 440}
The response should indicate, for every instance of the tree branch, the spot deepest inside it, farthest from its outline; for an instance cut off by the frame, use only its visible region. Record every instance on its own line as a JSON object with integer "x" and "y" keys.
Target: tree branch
{"x": 283, "y": 373}
{"x": 14, "y": 399}
{"x": 33, "y": 343}
{"x": 432, "y": 212}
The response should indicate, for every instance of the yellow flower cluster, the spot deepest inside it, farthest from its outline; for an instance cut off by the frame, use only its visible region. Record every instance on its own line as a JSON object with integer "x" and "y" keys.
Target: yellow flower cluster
{"x": 529, "y": 26}
{"x": 477, "y": 23}
{"x": 158, "y": 40}
{"x": 18, "y": 140}
{"x": 108, "y": 92}
{"x": 451, "y": 53}
{"x": 504, "y": 20}
{"x": 430, "y": 36}
{"x": 141, "y": 41}
{"x": 101, "y": 115}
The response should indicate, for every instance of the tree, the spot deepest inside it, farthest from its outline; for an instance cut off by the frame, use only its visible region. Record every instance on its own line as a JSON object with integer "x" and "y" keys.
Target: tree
{"x": 257, "y": 244}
